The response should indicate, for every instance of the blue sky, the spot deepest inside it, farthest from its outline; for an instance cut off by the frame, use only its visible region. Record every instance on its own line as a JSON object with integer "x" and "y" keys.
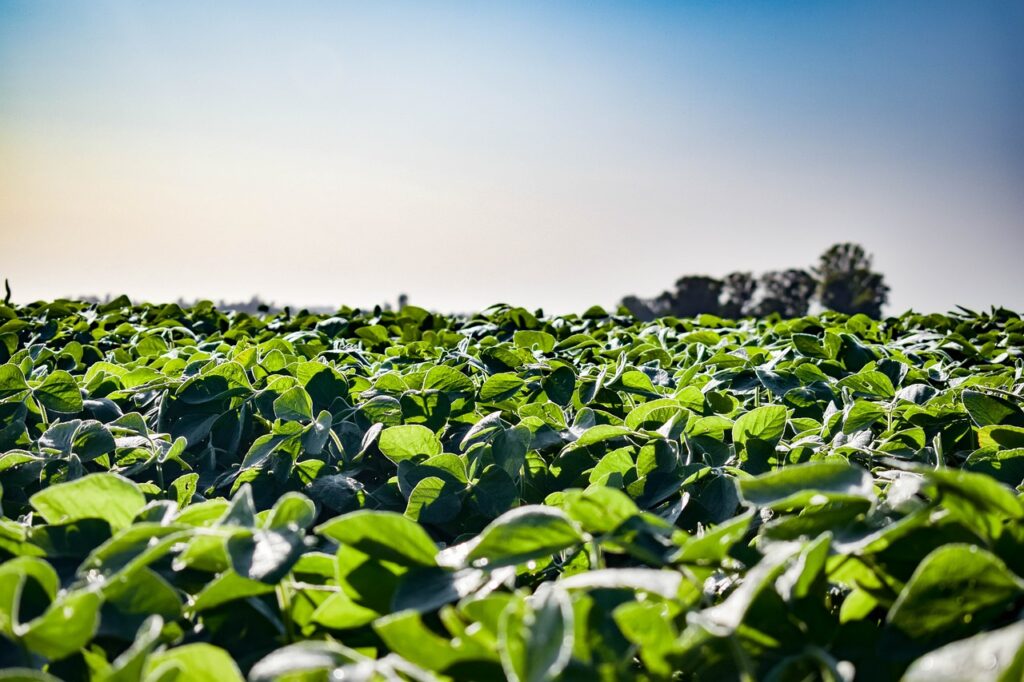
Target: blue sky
{"x": 547, "y": 154}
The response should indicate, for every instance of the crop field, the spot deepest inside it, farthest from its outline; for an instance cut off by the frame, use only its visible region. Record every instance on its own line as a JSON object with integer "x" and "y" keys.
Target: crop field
{"x": 189, "y": 494}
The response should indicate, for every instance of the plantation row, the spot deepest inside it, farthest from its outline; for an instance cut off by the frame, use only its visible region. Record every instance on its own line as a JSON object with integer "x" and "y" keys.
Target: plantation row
{"x": 193, "y": 495}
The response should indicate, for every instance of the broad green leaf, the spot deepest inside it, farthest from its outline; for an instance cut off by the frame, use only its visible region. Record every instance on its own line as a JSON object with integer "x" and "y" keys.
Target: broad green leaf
{"x": 987, "y": 410}
{"x": 952, "y": 586}
{"x": 226, "y": 380}
{"x": 598, "y": 509}
{"x": 648, "y": 626}
{"x": 199, "y": 662}
{"x": 128, "y": 666}
{"x": 862, "y": 415}
{"x": 408, "y": 440}
{"x": 340, "y": 612}
{"x": 725, "y": 618}
{"x": 652, "y": 415}
{"x": 110, "y": 497}
{"x": 13, "y": 574}
{"x": 66, "y": 627}
{"x": 763, "y": 423}
{"x": 384, "y": 535}
{"x": 871, "y": 383}
{"x": 433, "y": 500}
{"x": 757, "y": 433}
{"x": 979, "y": 500}
{"x": 523, "y": 534}
{"x": 525, "y": 338}
{"x": 59, "y": 392}
{"x": 265, "y": 555}
{"x": 292, "y": 510}
{"x": 799, "y": 485}
{"x": 536, "y": 636}
{"x": 996, "y": 656}
{"x": 297, "y": 661}
{"x": 501, "y": 386}
{"x": 12, "y": 380}
{"x": 227, "y": 587}
{"x": 405, "y": 634}
{"x": 665, "y": 584}
{"x": 601, "y": 433}
{"x": 1001, "y": 436}
{"x": 294, "y": 405}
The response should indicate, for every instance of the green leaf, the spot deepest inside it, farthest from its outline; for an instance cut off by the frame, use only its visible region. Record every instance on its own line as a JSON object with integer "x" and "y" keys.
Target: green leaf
{"x": 862, "y": 415}
{"x": 227, "y": 587}
{"x": 66, "y": 627}
{"x": 536, "y": 635}
{"x": 872, "y": 383}
{"x": 560, "y": 385}
{"x": 427, "y": 589}
{"x": 652, "y": 415}
{"x": 433, "y": 500}
{"x": 996, "y": 656}
{"x": 293, "y": 511}
{"x": 265, "y": 555}
{"x": 447, "y": 380}
{"x": 523, "y": 534}
{"x": 598, "y": 509}
{"x": 303, "y": 661}
{"x": 1001, "y": 436}
{"x": 128, "y": 666}
{"x": 954, "y": 585}
{"x": 756, "y": 433}
{"x": 645, "y": 625}
{"x": 59, "y": 392}
{"x": 405, "y": 634}
{"x": 13, "y": 574}
{"x": 987, "y": 410}
{"x": 525, "y": 338}
{"x": 407, "y": 441}
{"x": 197, "y": 662}
{"x": 726, "y": 617}
{"x": 662, "y": 583}
{"x": 12, "y": 380}
{"x": 294, "y": 405}
{"x": 798, "y": 485}
{"x": 110, "y": 497}
{"x": 224, "y": 381}
{"x": 1006, "y": 466}
{"x": 383, "y": 535}
{"x": 979, "y": 500}
{"x": 765, "y": 424}
{"x": 500, "y": 387}
{"x": 601, "y": 433}
{"x": 340, "y": 612}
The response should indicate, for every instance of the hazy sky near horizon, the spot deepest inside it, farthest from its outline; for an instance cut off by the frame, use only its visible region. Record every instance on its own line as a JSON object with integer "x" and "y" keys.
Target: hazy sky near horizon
{"x": 553, "y": 154}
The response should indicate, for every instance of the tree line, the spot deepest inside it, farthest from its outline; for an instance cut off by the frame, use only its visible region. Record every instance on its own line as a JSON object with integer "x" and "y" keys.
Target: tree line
{"x": 843, "y": 280}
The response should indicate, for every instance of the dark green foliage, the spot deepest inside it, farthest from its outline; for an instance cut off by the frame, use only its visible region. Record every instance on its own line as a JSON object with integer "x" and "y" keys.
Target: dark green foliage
{"x": 738, "y": 290}
{"x": 399, "y": 495}
{"x": 786, "y": 293}
{"x": 847, "y": 284}
{"x": 842, "y": 281}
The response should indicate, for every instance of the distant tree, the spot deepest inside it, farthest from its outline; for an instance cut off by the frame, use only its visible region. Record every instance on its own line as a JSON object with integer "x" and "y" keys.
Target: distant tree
{"x": 639, "y": 308}
{"x": 696, "y": 294}
{"x": 847, "y": 284}
{"x": 738, "y": 289}
{"x": 786, "y": 292}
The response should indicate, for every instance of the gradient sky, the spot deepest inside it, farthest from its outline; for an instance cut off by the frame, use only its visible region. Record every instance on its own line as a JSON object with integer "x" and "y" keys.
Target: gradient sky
{"x": 545, "y": 154}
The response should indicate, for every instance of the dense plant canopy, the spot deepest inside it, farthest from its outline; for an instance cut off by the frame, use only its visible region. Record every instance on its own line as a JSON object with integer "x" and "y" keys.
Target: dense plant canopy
{"x": 193, "y": 495}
